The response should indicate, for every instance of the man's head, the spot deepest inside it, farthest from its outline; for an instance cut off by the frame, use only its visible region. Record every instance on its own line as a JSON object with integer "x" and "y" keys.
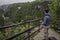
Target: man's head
{"x": 46, "y": 11}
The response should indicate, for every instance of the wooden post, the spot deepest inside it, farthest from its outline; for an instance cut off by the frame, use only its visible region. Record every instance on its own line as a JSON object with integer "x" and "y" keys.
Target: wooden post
{"x": 28, "y": 35}
{"x": 46, "y": 33}
{"x": 39, "y": 25}
{"x": 29, "y": 31}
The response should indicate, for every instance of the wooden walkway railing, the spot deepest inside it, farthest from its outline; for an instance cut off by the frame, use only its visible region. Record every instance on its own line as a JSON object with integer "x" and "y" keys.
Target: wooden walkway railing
{"x": 29, "y": 31}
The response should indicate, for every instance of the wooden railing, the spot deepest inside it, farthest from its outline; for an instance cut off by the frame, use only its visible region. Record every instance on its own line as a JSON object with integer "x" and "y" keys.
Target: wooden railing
{"x": 28, "y": 33}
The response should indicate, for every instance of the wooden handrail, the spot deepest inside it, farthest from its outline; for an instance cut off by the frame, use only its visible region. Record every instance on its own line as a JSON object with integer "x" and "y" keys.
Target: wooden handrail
{"x": 25, "y": 31}
{"x": 4, "y": 27}
{"x": 16, "y": 35}
{"x": 31, "y": 34}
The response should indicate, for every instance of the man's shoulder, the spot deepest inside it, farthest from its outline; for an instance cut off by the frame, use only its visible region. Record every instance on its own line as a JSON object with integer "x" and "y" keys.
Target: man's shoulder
{"x": 47, "y": 16}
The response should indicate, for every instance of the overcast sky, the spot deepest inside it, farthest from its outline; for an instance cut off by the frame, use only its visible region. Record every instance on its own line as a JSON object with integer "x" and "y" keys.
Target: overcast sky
{"x": 13, "y": 1}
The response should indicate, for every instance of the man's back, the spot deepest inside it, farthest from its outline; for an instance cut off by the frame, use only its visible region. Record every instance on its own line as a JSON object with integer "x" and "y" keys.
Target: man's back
{"x": 47, "y": 19}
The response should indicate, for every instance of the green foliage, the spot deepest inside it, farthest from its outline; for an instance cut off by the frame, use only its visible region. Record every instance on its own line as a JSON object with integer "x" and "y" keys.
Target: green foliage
{"x": 55, "y": 9}
{"x": 15, "y": 15}
{"x": 1, "y": 18}
{"x": 27, "y": 12}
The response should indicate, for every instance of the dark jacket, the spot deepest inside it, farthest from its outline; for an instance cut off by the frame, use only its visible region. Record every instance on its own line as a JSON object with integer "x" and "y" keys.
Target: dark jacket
{"x": 47, "y": 19}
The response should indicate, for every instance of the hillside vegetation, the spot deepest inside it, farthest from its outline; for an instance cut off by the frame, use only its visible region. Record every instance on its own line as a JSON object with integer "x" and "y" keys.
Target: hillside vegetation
{"x": 20, "y": 12}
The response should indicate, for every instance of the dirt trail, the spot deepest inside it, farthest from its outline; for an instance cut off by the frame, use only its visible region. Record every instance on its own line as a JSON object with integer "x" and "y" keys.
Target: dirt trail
{"x": 52, "y": 33}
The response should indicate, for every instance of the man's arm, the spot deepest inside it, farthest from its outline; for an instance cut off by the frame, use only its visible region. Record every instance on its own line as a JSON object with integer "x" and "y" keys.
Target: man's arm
{"x": 44, "y": 20}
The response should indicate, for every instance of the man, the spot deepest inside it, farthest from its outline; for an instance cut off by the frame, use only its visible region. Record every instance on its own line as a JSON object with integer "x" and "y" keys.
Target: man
{"x": 46, "y": 22}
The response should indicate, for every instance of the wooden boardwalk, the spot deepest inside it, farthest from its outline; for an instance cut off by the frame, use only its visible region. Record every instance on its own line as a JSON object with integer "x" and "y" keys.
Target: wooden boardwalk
{"x": 52, "y": 33}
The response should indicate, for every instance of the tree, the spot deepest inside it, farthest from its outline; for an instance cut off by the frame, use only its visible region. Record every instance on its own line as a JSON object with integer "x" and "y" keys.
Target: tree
{"x": 1, "y": 18}
{"x": 55, "y": 9}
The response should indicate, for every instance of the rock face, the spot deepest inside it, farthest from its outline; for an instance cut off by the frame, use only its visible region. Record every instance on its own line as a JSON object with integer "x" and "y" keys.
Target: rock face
{"x": 3, "y": 7}
{"x": 43, "y": 5}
